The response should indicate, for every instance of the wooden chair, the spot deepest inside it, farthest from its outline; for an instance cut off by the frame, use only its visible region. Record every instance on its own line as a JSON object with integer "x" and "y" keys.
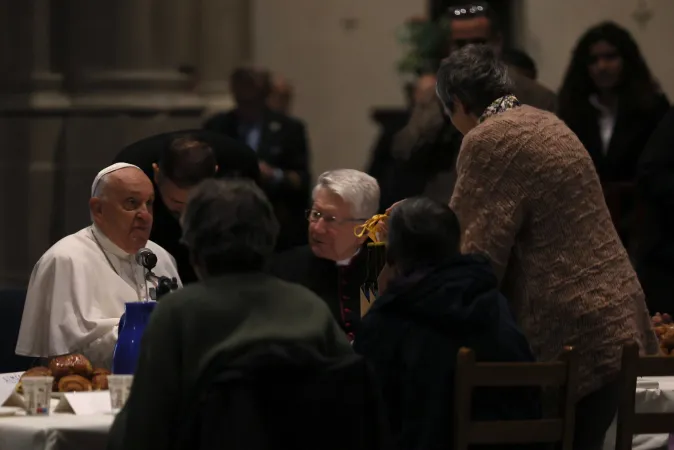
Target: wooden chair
{"x": 629, "y": 422}
{"x": 562, "y": 374}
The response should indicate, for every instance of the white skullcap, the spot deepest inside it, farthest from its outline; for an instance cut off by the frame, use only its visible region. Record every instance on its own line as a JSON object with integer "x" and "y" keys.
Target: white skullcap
{"x": 113, "y": 168}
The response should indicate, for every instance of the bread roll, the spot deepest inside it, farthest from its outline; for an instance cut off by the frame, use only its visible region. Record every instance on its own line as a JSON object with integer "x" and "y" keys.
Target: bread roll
{"x": 74, "y": 383}
{"x": 39, "y": 371}
{"x": 99, "y": 381}
{"x": 74, "y": 364}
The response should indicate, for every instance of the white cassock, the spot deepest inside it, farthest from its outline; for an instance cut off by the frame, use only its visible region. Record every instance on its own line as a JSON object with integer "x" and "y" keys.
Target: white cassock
{"x": 76, "y": 296}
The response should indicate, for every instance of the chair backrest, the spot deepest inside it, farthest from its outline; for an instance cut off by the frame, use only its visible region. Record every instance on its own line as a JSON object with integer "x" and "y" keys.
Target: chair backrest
{"x": 11, "y": 312}
{"x": 629, "y": 421}
{"x": 561, "y": 374}
{"x": 276, "y": 403}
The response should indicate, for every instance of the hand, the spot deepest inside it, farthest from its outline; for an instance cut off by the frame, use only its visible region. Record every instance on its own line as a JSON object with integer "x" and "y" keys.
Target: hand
{"x": 388, "y": 211}
{"x": 424, "y": 91}
{"x": 266, "y": 170}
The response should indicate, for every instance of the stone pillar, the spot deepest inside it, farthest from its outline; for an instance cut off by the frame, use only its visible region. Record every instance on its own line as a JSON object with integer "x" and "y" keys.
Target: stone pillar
{"x": 224, "y": 43}
{"x": 124, "y": 85}
{"x": 31, "y": 118}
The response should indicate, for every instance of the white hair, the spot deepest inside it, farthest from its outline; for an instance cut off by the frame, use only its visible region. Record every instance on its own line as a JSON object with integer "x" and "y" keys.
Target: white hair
{"x": 358, "y": 189}
{"x": 100, "y": 186}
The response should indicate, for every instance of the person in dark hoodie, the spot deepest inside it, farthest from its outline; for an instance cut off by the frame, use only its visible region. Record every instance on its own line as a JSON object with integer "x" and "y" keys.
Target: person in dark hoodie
{"x": 436, "y": 302}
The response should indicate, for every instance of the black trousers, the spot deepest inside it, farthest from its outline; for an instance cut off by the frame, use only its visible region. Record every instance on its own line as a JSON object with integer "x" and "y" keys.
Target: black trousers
{"x": 594, "y": 414}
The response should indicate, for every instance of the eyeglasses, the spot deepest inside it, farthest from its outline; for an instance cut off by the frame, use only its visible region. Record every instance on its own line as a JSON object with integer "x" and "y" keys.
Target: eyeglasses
{"x": 469, "y": 10}
{"x": 314, "y": 216}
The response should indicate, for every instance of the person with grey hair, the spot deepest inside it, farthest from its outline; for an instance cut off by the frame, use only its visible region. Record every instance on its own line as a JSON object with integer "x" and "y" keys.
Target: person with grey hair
{"x": 78, "y": 288}
{"x": 235, "y": 310}
{"x": 334, "y": 265}
{"x": 528, "y": 197}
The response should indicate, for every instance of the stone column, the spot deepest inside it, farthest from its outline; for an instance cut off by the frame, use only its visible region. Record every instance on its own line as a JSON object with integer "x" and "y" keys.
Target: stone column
{"x": 117, "y": 55}
{"x": 124, "y": 85}
{"x": 224, "y": 43}
{"x": 31, "y": 119}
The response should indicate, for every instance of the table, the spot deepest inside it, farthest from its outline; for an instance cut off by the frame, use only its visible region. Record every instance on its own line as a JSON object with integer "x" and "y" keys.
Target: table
{"x": 59, "y": 431}
{"x": 659, "y": 400}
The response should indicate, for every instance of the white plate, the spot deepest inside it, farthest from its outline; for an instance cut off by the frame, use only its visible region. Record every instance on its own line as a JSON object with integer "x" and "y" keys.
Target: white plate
{"x": 9, "y": 411}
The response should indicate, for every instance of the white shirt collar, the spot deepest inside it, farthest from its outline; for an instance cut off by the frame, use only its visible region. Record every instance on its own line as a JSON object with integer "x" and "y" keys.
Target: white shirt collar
{"x": 107, "y": 244}
{"x": 346, "y": 262}
{"x": 606, "y": 122}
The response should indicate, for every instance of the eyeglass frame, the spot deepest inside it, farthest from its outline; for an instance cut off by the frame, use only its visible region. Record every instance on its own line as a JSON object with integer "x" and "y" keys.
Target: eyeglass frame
{"x": 473, "y": 9}
{"x": 329, "y": 220}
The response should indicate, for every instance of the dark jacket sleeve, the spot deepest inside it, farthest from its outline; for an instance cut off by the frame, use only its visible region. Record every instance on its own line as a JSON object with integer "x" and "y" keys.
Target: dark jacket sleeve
{"x": 153, "y": 404}
{"x": 297, "y": 157}
{"x": 655, "y": 176}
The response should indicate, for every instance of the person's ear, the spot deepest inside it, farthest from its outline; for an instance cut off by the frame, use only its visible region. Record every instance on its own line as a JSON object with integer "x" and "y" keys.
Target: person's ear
{"x": 96, "y": 208}
{"x": 155, "y": 171}
{"x": 217, "y": 168}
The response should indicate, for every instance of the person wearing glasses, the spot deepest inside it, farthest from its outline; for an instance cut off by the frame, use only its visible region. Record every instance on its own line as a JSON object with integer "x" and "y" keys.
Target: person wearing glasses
{"x": 425, "y": 149}
{"x": 334, "y": 264}
{"x": 528, "y": 197}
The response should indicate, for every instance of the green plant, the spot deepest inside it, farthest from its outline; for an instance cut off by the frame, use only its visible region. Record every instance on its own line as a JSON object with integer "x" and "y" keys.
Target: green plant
{"x": 425, "y": 45}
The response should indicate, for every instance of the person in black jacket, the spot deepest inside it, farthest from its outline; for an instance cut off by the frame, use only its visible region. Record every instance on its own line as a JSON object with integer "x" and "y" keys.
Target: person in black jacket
{"x": 176, "y": 162}
{"x": 654, "y": 256}
{"x": 610, "y": 99}
{"x": 281, "y": 144}
{"x": 437, "y": 302}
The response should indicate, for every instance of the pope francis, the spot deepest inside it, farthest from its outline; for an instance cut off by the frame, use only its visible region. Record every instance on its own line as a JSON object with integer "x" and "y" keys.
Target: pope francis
{"x": 78, "y": 288}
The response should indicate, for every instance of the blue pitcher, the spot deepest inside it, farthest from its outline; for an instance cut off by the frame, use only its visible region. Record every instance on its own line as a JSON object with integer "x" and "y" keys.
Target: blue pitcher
{"x": 131, "y": 327}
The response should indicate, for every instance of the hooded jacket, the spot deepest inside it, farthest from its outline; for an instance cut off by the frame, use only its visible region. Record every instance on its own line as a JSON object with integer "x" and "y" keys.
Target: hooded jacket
{"x": 412, "y": 334}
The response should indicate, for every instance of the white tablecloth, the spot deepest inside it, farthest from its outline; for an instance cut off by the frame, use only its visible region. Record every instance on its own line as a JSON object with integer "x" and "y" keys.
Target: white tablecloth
{"x": 659, "y": 400}
{"x": 59, "y": 431}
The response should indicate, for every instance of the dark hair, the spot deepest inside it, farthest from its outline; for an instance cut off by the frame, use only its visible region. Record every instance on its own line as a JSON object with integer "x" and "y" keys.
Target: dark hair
{"x": 187, "y": 161}
{"x": 248, "y": 76}
{"x": 637, "y": 89}
{"x": 476, "y": 9}
{"x": 229, "y": 226}
{"x": 519, "y": 59}
{"x": 421, "y": 232}
{"x": 475, "y": 76}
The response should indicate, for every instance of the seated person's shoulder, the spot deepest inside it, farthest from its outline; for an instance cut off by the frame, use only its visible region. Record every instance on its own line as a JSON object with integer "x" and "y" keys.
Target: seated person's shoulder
{"x": 70, "y": 252}
{"x": 294, "y": 261}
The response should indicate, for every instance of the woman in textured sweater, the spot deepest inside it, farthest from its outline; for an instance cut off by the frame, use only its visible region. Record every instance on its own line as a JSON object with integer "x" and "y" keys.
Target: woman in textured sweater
{"x": 528, "y": 196}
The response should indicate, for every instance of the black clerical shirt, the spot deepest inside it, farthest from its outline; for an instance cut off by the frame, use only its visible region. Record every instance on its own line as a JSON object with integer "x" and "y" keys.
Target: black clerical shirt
{"x": 338, "y": 285}
{"x": 234, "y": 159}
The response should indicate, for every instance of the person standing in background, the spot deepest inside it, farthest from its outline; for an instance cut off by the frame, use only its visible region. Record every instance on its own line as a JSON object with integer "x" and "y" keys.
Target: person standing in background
{"x": 281, "y": 144}
{"x": 176, "y": 162}
{"x": 610, "y": 99}
{"x": 654, "y": 255}
{"x": 427, "y": 147}
{"x": 281, "y": 95}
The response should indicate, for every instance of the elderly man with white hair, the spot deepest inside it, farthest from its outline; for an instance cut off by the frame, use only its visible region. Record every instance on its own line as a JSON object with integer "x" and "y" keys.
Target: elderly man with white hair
{"x": 78, "y": 288}
{"x": 334, "y": 263}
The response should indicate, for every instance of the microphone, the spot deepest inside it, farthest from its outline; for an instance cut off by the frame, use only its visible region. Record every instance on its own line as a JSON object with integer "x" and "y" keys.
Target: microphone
{"x": 146, "y": 258}
{"x": 163, "y": 285}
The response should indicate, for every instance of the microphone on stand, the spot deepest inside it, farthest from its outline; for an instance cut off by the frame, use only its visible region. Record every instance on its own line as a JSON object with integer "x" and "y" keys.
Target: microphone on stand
{"x": 146, "y": 258}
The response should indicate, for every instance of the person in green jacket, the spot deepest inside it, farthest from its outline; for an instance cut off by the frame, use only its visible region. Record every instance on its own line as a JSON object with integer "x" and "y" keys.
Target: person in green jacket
{"x": 230, "y": 230}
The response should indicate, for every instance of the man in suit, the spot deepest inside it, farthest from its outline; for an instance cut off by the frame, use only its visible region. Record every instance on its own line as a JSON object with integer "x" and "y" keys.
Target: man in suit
{"x": 281, "y": 145}
{"x": 334, "y": 264}
{"x": 427, "y": 147}
{"x": 176, "y": 162}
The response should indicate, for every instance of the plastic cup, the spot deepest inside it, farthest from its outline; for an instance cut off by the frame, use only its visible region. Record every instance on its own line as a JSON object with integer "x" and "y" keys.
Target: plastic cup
{"x": 37, "y": 395}
{"x": 120, "y": 386}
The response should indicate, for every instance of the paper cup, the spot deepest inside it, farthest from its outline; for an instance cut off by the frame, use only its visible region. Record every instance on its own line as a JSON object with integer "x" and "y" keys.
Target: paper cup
{"x": 37, "y": 395}
{"x": 120, "y": 386}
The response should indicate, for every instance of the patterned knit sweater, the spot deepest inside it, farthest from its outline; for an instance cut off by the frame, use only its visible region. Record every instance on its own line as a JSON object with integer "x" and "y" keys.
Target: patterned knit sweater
{"x": 528, "y": 196}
